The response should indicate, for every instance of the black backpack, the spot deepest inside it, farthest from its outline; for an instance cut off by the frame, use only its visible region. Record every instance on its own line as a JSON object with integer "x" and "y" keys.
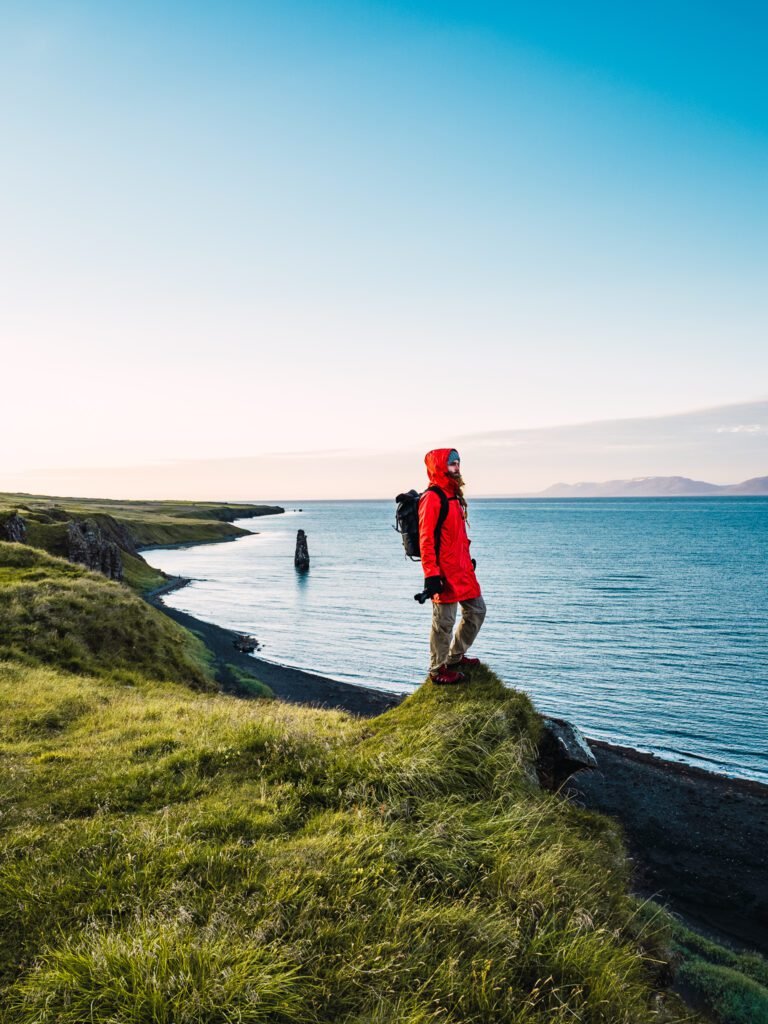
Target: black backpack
{"x": 407, "y": 521}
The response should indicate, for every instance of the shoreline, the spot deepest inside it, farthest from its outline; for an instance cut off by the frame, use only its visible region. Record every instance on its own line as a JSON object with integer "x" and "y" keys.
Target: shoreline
{"x": 193, "y": 544}
{"x": 696, "y": 839}
{"x": 293, "y": 685}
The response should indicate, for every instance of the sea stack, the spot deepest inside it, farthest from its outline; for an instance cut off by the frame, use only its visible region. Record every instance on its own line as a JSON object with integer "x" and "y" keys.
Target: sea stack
{"x": 301, "y": 560}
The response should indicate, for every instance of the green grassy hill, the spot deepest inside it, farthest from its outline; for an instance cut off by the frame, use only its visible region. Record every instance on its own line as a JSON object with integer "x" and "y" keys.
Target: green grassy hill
{"x": 176, "y": 857}
{"x": 54, "y": 612}
{"x": 169, "y": 855}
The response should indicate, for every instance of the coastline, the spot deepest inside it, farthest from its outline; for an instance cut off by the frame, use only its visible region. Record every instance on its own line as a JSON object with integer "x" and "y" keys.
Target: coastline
{"x": 193, "y": 544}
{"x": 289, "y": 684}
{"x": 696, "y": 839}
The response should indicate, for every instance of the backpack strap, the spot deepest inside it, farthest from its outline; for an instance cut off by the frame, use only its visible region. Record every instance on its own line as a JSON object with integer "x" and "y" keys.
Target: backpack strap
{"x": 442, "y": 516}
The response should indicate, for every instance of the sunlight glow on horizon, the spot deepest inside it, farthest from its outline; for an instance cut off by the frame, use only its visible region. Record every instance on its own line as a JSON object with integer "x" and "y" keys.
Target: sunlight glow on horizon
{"x": 710, "y": 445}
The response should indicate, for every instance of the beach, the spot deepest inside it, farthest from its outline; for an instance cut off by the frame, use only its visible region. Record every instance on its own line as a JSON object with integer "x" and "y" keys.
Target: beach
{"x": 288, "y": 684}
{"x": 697, "y": 840}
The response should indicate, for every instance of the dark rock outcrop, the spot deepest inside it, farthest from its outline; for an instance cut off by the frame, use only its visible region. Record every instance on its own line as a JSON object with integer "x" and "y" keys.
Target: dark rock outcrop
{"x": 245, "y": 643}
{"x": 301, "y": 559}
{"x": 563, "y": 751}
{"x": 88, "y": 546}
{"x": 113, "y": 530}
{"x": 13, "y": 528}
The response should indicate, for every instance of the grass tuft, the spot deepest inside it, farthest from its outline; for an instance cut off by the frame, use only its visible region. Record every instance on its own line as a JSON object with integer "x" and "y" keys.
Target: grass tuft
{"x": 167, "y": 972}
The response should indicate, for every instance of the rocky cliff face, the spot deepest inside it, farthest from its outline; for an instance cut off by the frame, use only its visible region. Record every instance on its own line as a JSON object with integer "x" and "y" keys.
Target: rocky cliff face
{"x": 87, "y": 545}
{"x": 116, "y": 532}
{"x": 13, "y": 528}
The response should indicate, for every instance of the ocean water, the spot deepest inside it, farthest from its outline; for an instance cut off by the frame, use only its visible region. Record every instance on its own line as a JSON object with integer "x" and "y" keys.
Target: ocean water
{"x": 644, "y": 621}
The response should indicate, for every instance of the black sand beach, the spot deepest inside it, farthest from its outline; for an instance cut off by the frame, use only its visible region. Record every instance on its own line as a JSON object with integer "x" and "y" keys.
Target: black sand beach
{"x": 698, "y": 841}
{"x": 289, "y": 684}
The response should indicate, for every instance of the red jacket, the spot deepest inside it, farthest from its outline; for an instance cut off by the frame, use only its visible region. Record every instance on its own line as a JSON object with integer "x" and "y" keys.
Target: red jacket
{"x": 455, "y": 564}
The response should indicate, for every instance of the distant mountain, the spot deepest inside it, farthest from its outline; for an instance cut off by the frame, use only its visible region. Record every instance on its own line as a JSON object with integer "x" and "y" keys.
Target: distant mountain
{"x": 757, "y": 485}
{"x": 654, "y": 487}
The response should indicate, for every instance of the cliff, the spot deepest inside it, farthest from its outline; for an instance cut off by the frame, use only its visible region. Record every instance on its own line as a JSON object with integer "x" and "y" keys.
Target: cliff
{"x": 168, "y": 854}
{"x": 106, "y": 536}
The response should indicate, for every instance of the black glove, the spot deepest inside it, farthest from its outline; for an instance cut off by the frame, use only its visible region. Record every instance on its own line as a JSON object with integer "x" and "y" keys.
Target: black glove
{"x": 474, "y": 564}
{"x": 433, "y": 585}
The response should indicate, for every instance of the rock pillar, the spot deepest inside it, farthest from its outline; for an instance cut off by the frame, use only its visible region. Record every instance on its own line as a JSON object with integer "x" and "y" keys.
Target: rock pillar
{"x": 301, "y": 559}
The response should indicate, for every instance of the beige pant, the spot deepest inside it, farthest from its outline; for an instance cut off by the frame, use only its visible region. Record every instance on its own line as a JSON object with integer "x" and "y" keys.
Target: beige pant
{"x": 441, "y": 650}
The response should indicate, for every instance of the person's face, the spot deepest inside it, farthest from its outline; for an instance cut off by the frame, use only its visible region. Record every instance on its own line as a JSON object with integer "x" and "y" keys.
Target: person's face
{"x": 454, "y": 468}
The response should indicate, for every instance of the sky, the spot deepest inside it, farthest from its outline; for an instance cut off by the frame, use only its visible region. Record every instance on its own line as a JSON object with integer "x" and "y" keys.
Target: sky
{"x": 275, "y": 232}
{"x": 721, "y": 445}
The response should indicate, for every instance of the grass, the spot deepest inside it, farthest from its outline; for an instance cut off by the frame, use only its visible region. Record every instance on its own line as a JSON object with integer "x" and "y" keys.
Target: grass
{"x": 140, "y": 576}
{"x": 248, "y": 683}
{"x": 167, "y": 855}
{"x": 54, "y": 612}
{"x": 732, "y": 987}
{"x": 200, "y": 510}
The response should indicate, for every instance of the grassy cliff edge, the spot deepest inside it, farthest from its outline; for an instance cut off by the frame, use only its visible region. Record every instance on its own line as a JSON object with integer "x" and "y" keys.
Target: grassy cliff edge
{"x": 132, "y": 525}
{"x": 173, "y": 856}
{"x": 168, "y": 854}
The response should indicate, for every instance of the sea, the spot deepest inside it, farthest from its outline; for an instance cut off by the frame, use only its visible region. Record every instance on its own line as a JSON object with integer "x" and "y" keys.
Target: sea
{"x": 642, "y": 620}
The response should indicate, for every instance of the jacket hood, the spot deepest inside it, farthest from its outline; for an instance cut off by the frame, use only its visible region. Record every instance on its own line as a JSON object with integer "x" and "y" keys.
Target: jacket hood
{"x": 436, "y": 462}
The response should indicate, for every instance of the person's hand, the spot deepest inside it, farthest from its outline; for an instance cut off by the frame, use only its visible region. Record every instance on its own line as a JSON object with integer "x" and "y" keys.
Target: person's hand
{"x": 474, "y": 564}
{"x": 433, "y": 585}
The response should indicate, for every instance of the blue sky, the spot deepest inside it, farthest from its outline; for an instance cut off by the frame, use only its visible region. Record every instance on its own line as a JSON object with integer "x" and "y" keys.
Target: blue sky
{"x": 292, "y": 226}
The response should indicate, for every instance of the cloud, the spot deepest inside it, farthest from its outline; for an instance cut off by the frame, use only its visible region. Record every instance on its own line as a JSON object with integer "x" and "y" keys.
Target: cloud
{"x": 743, "y": 428}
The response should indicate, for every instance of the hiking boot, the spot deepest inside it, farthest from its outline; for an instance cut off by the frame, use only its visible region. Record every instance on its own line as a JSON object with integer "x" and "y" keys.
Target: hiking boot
{"x": 445, "y": 676}
{"x": 465, "y": 662}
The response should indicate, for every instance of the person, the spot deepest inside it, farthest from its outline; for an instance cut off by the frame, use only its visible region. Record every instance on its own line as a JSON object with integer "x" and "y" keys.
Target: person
{"x": 449, "y": 571}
